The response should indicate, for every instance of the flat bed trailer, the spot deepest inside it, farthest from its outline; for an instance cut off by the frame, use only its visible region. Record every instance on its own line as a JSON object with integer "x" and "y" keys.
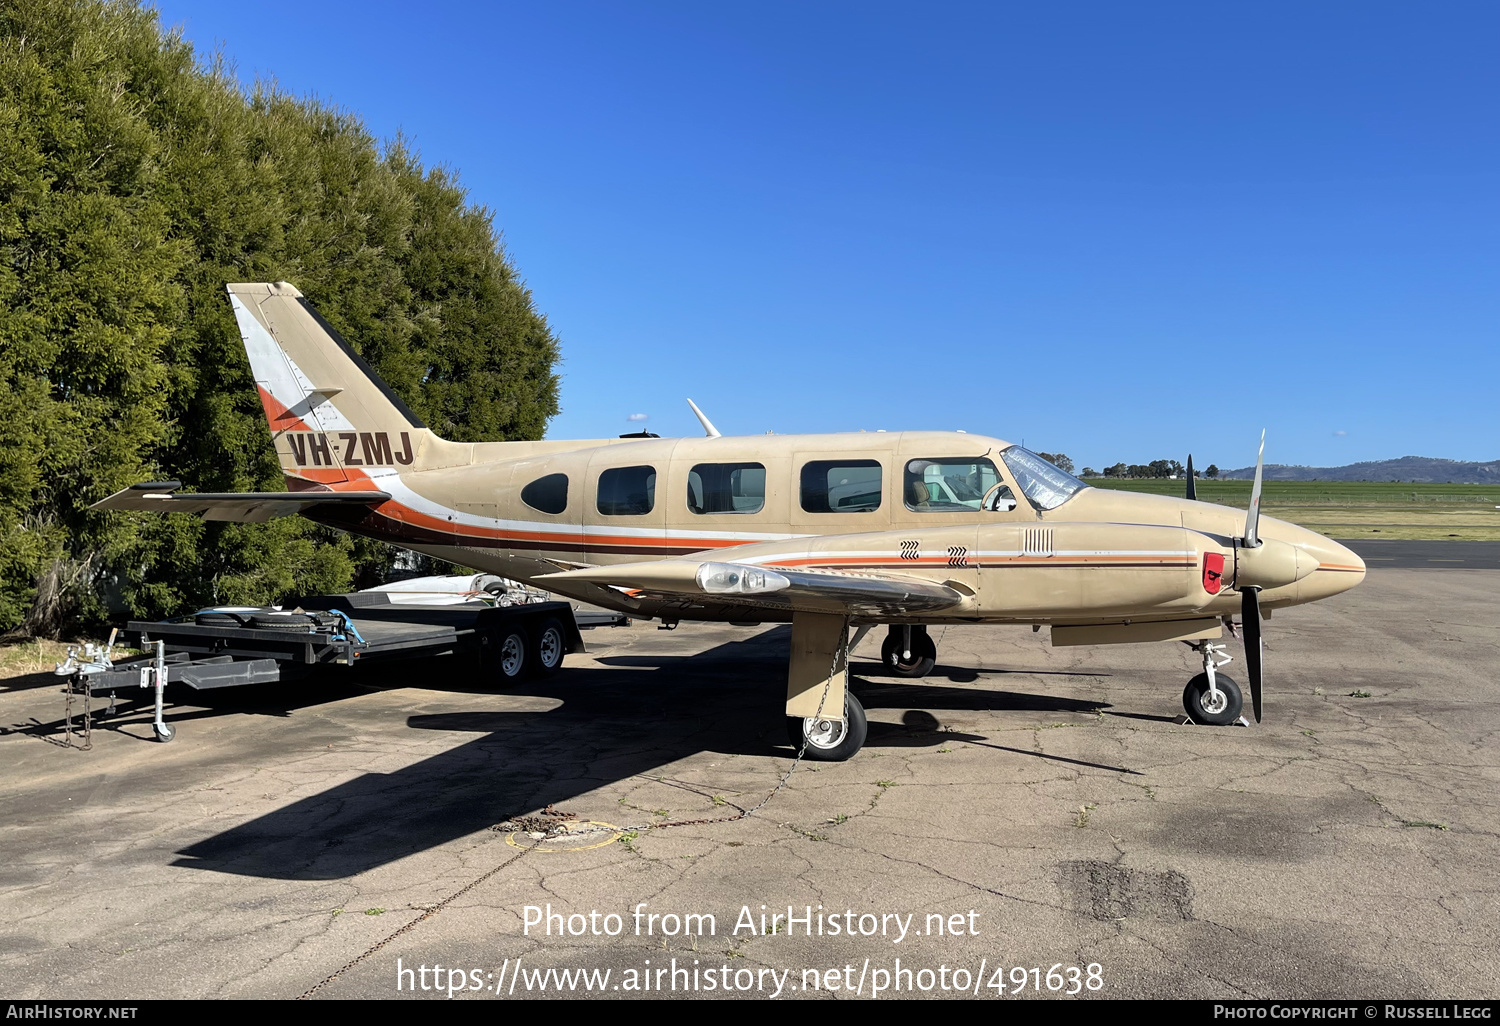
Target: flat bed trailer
{"x": 233, "y": 647}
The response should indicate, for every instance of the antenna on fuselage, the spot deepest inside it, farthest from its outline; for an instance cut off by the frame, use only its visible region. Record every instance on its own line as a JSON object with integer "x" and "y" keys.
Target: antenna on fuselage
{"x": 708, "y": 427}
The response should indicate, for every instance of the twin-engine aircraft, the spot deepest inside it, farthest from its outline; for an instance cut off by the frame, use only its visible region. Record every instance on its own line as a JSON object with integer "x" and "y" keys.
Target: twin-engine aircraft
{"x": 910, "y": 530}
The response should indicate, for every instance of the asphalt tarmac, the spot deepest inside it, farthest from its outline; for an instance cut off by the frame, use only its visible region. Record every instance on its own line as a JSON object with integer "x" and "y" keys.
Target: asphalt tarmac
{"x": 1026, "y": 807}
{"x": 1428, "y": 555}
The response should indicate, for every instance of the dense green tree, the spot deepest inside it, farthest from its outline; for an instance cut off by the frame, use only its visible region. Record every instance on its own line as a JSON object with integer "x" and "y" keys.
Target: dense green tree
{"x": 135, "y": 181}
{"x": 1059, "y": 460}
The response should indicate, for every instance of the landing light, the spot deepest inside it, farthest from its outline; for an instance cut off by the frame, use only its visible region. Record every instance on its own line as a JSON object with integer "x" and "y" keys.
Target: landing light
{"x": 732, "y": 579}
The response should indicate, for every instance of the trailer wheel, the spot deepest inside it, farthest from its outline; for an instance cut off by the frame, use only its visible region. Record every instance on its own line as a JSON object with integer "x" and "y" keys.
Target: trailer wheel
{"x": 511, "y": 655}
{"x": 164, "y": 732}
{"x": 551, "y": 645}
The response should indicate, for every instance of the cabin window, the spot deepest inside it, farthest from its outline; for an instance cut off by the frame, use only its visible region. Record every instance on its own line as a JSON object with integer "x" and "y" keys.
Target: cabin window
{"x": 841, "y": 486}
{"x": 547, "y": 494}
{"x": 727, "y": 488}
{"x": 948, "y": 485}
{"x": 627, "y": 491}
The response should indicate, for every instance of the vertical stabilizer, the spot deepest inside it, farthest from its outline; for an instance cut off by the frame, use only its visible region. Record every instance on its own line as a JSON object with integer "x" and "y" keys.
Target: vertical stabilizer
{"x": 333, "y": 420}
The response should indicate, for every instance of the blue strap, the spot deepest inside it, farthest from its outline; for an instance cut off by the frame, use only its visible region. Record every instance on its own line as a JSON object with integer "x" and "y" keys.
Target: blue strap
{"x": 348, "y": 625}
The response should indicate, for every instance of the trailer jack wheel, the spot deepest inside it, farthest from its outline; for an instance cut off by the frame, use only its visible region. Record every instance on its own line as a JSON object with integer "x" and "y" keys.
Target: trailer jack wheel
{"x": 164, "y": 732}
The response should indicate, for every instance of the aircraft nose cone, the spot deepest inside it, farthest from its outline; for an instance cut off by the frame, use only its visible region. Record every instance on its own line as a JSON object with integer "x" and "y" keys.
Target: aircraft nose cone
{"x": 1338, "y": 567}
{"x": 1347, "y": 557}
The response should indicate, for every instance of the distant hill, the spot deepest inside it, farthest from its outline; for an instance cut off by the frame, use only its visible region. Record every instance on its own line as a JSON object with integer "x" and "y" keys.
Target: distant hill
{"x": 1415, "y": 469}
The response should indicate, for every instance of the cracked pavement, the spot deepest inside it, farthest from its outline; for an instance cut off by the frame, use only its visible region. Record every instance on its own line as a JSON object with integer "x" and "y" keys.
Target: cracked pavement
{"x": 1346, "y": 847}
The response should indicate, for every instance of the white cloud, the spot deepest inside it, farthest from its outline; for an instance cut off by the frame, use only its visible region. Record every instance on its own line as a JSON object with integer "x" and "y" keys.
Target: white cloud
{"x": 1336, "y": 434}
{"x": 636, "y": 416}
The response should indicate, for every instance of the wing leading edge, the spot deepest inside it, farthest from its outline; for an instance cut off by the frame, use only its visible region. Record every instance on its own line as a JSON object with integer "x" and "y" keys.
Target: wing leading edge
{"x": 802, "y": 591}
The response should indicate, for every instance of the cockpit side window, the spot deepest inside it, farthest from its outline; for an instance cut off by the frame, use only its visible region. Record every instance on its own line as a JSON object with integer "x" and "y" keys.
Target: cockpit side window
{"x": 1044, "y": 486}
{"x": 954, "y": 485}
{"x": 841, "y": 486}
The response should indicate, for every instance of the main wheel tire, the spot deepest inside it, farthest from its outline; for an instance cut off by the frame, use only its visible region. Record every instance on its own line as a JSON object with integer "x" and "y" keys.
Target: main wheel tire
{"x": 923, "y": 653}
{"x": 227, "y": 616}
{"x": 829, "y": 740}
{"x": 510, "y": 656}
{"x": 548, "y": 648}
{"x": 1195, "y": 701}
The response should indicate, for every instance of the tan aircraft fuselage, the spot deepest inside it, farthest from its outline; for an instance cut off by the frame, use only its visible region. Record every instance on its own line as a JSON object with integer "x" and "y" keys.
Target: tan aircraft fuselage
{"x": 822, "y": 531}
{"x": 1101, "y": 556}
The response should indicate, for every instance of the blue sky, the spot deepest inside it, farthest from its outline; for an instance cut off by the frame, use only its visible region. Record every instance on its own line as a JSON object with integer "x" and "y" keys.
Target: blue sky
{"x": 1123, "y": 232}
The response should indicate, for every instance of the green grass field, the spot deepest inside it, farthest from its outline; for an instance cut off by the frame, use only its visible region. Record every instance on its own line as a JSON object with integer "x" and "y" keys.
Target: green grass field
{"x": 1354, "y": 509}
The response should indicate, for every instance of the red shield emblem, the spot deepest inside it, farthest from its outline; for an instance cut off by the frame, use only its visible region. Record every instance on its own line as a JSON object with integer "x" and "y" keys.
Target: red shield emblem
{"x": 1213, "y": 572}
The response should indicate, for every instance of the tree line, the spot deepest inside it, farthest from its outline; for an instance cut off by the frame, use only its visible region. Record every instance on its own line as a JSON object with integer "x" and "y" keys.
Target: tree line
{"x": 1156, "y": 468}
{"x": 136, "y": 179}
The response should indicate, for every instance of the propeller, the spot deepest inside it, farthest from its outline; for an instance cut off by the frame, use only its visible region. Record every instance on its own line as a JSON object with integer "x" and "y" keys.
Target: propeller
{"x": 1250, "y": 595}
{"x": 1250, "y": 620}
{"x": 1192, "y": 489}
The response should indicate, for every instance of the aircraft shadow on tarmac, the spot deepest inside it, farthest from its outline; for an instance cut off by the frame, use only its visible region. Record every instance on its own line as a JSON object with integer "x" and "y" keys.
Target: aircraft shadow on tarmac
{"x": 612, "y": 724}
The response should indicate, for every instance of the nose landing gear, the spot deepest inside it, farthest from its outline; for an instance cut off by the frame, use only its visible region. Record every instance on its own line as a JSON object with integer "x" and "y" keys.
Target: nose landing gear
{"x": 1212, "y": 697}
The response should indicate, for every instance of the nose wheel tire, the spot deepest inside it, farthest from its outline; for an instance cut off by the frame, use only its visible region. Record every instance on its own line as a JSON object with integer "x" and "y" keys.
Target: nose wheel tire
{"x": 164, "y": 732}
{"x": 1205, "y": 707}
{"x": 829, "y": 740}
{"x": 921, "y": 658}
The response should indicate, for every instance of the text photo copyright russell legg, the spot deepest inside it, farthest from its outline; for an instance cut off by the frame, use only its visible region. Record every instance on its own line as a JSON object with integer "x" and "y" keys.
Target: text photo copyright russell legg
{"x": 1331, "y": 1010}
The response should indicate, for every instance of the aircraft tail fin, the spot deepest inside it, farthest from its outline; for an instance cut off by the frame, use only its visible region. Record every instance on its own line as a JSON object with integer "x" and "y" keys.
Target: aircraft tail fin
{"x": 334, "y": 422}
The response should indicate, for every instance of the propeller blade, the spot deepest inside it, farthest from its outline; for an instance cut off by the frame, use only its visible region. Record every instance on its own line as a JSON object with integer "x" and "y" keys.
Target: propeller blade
{"x": 1192, "y": 492}
{"x": 1252, "y": 518}
{"x": 1250, "y": 620}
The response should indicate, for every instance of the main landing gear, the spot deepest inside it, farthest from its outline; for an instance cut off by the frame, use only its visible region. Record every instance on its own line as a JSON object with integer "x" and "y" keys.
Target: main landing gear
{"x": 908, "y": 651}
{"x": 1211, "y": 697}
{"x": 830, "y": 740}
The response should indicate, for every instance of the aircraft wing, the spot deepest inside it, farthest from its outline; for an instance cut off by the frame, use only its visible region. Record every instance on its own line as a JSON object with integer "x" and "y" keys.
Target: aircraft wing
{"x": 240, "y": 507}
{"x": 743, "y": 584}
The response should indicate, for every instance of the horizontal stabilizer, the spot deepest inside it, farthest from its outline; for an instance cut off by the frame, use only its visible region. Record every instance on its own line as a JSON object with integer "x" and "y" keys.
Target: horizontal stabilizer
{"x": 239, "y": 507}
{"x": 741, "y": 584}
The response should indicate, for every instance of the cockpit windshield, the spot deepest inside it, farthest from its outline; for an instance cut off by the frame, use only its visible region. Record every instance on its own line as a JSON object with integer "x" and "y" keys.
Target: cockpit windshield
{"x": 1042, "y": 483}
